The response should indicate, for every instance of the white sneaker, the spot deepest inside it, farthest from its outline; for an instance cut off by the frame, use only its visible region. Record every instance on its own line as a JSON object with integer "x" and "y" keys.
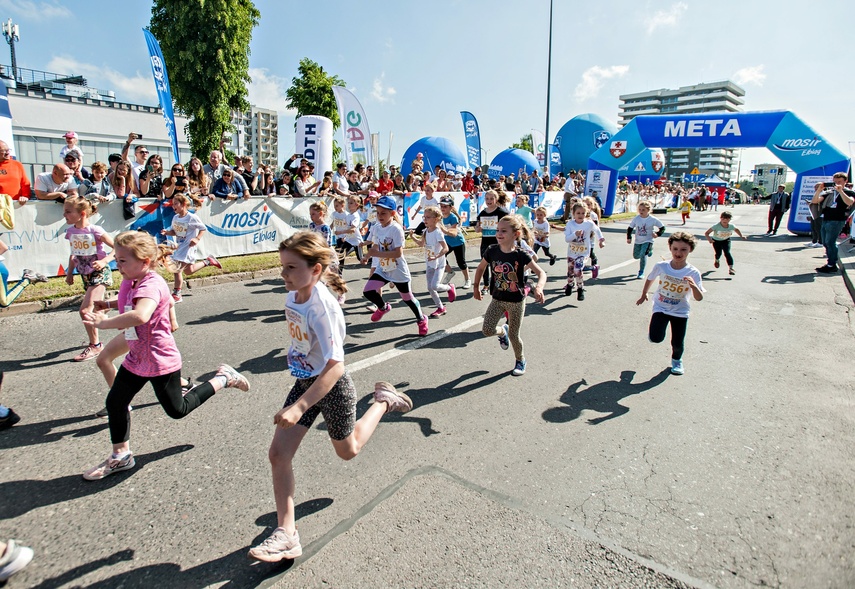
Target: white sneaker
{"x": 14, "y": 559}
{"x": 467, "y": 284}
{"x": 278, "y": 546}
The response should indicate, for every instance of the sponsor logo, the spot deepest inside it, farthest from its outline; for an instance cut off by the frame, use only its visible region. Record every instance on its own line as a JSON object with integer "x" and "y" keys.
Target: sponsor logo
{"x": 246, "y": 223}
{"x": 600, "y": 138}
{"x": 617, "y": 149}
{"x": 703, "y": 128}
{"x": 656, "y": 163}
{"x": 471, "y": 129}
{"x": 555, "y": 157}
{"x": 803, "y": 145}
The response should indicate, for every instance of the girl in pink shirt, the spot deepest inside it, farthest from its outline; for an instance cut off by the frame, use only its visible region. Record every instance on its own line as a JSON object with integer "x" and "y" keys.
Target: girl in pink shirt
{"x": 152, "y": 354}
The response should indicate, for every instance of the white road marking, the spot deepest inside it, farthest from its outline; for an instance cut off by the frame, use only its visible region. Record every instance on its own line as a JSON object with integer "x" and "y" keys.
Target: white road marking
{"x": 616, "y": 266}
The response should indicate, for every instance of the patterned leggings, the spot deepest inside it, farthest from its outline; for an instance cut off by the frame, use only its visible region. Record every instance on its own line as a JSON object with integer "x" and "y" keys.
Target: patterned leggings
{"x": 515, "y": 316}
{"x": 574, "y": 270}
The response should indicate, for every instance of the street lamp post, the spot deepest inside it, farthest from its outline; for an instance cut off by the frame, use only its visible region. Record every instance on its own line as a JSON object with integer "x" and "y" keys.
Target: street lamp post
{"x": 10, "y": 31}
{"x": 546, "y": 155}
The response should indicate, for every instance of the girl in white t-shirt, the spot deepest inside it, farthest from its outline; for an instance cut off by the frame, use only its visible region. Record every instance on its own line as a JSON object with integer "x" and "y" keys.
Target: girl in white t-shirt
{"x": 91, "y": 262}
{"x": 435, "y": 251}
{"x": 187, "y": 229}
{"x": 541, "y": 234}
{"x": 316, "y": 358}
{"x": 387, "y": 247}
{"x": 577, "y": 234}
{"x": 677, "y": 278}
{"x": 338, "y": 221}
{"x": 426, "y": 201}
{"x": 350, "y": 231}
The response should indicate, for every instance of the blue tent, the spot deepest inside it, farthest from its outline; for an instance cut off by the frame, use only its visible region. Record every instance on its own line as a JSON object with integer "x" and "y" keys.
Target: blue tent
{"x": 437, "y": 151}
{"x": 513, "y": 161}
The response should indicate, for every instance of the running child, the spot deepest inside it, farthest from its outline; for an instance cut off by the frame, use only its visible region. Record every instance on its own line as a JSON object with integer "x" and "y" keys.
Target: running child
{"x": 323, "y": 385}
{"x": 388, "y": 249}
{"x": 427, "y": 200}
{"x": 677, "y": 278}
{"x": 91, "y": 262}
{"x": 339, "y": 222}
{"x": 523, "y": 210}
{"x": 507, "y": 285}
{"x": 350, "y": 231}
{"x": 435, "y": 251}
{"x": 541, "y": 234}
{"x": 8, "y": 295}
{"x": 187, "y": 229}
{"x": 647, "y": 228}
{"x": 593, "y": 214}
{"x": 318, "y": 224}
{"x": 685, "y": 208}
{"x": 719, "y": 236}
{"x": 487, "y": 221}
{"x": 577, "y": 234}
{"x": 455, "y": 241}
{"x": 152, "y": 354}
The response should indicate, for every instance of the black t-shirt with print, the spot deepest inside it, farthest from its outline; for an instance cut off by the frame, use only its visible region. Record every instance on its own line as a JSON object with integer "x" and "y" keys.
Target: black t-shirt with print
{"x": 507, "y": 278}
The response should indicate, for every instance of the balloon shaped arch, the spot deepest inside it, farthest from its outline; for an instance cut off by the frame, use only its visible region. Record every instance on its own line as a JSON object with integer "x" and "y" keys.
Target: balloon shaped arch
{"x": 785, "y": 135}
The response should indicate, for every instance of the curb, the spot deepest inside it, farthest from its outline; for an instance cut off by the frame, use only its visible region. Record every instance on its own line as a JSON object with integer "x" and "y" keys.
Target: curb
{"x": 847, "y": 265}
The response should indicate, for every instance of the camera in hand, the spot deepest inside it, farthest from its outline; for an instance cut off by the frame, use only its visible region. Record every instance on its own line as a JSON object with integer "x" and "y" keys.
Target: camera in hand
{"x": 180, "y": 182}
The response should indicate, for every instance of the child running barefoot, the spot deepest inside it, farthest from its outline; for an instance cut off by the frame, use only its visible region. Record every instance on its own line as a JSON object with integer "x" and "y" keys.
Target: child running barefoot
{"x": 507, "y": 285}
{"x": 152, "y": 353}
{"x": 388, "y": 248}
{"x": 323, "y": 385}
{"x": 91, "y": 262}
{"x": 8, "y": 295}
{"x": 578, "y": 233}
{"x": 677, "y": 278}
{"x": 541, "y": 234}
{"x": 647, "y": 227}
{"x": 719, "y": 236}
{"x": 187, "y": 229}
{"x": 435, "y": 251}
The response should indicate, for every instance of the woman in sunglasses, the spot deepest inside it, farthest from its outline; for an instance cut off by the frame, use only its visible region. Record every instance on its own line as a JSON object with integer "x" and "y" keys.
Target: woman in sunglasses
{"x": 304, "y": 184}
{"x": 227, "y": 187}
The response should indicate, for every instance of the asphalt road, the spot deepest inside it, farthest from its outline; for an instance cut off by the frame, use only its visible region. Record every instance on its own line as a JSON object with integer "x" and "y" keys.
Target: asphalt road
{"x": 596, "y": 468}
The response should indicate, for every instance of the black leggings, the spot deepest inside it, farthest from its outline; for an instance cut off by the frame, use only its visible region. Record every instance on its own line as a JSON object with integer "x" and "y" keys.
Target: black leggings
{"x": 167, "y": 389}
{"x": 723, "y": 247}
{"x": 459, "y": 255}
{"x": 545, "y": 249}
{"x": 658, "y": 324}
{"x": 346, "y": 248}
{"x": 485, "y": 243}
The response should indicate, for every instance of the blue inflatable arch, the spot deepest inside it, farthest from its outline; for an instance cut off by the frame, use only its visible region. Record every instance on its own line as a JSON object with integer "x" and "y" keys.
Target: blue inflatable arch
{"x": 798, "y": 146}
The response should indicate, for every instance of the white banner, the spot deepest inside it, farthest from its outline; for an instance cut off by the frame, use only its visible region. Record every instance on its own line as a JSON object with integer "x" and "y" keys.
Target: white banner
{"x": 314, "y": 140}
{"x": 538, "y": 147}
{"x": 803, "y": 194}
{"x": 235, "y": 227}
{"x": 357, "y": 136}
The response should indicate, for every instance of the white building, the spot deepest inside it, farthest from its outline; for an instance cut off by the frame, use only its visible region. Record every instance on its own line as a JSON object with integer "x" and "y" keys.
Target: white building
{"x": 768, "y": 176}
{"x": 701, "y": 98}
{"x": 257, "y": 135}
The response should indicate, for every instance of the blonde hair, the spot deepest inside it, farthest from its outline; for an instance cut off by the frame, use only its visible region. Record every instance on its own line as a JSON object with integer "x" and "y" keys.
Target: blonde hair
{"x": 319, "y": 206}
{"x": 517, "y": 225}
{"x": 82, "y": 205}
{"x": 313, "y": 249}
{"x": 141, "y": 245}
{"x": 644, "y": 204}
{"x": 433, "y": 211}
{"x": 541, "y": 210}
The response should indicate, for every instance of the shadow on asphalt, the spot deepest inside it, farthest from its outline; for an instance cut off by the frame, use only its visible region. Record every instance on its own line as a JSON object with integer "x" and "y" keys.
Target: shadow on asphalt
{"x": 239, "y": 316}
{"x": 603, "y": 397}
{"x": 233, "y": 569}
{"x": 40, "y": 362}
{"x": 791, "y": 279}
{"x": 32, "y": 494}
{"x": 31, "y": 434}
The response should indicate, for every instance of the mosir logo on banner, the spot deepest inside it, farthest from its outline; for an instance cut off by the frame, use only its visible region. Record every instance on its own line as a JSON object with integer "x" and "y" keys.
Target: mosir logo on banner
{"x": 239, "y": 224}
{"x": 803, "y": 145}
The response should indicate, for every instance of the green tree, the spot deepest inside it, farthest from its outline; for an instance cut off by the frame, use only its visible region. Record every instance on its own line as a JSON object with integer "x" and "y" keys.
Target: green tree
{"x": 206, "y": 47}
{"x": 525, "y": 144}
{"x": 311, "y": 94}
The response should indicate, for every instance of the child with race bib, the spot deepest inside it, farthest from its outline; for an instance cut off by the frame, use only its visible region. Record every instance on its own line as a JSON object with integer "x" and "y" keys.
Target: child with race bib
{"x": 646, "y": 227}
{"x": 486, "y": 223}
{"x": 332, "y": 277}
{"x": 322, "y": 386}
{"x": 719, "y": 236}
{"x": 153, "y": 357}
{"x": 677, "y": 279}
{"x": 507, "y": 285}
{"x": 91, "y": 262}
{"x": 435, "y": 252}
{"x": 350, "y": 232}
{"x": 577, "y": 234}
{"x": 541, "y": 234}
{"x": 454, "y": 239}
{"x": 187, "y": 229}
{"x": 388, "y": 249}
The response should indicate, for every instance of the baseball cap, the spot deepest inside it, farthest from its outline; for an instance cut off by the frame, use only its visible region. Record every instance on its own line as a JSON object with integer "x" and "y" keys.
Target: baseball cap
{"x": 72, "y": 154}
{"x": 386, "y": 202}
{"x": 446, "y": 200}
{"x": 70, "y": 135}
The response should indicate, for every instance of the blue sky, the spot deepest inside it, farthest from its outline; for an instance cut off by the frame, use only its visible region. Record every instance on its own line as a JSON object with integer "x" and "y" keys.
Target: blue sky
{"x": 416, "y": 65}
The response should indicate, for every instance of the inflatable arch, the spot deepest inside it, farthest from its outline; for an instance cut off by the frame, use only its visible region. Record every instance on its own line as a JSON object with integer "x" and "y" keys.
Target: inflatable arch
{"x": 785, "y": 135}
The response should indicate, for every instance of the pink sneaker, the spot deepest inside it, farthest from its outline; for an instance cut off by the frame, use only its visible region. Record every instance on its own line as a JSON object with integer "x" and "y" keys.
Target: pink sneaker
{"x": 452, "y": 293}
{"x": 89, "y": 352}
{"x": 384, "y": 392}
{"x": 595, "y": 271}
{"x": 278, "y": 546}
{"x": 212, "y": 261}
{"x": 378, "y": 314}
{"x": 423, "y": 326}
{"x": 438, "y": 313}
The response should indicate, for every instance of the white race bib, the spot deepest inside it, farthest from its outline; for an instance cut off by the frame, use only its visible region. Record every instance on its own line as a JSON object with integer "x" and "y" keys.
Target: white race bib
{"x": 672, "y": 290}
{"x": 130, "y": 332}
{"x": 723, "y": 234}
{"x": 298, "y": 330}
{"x": 578, "y": 249}
{"x": 83, "y": 244}
{"x": 388, "y": 264}
{"x": 180, "y": 230}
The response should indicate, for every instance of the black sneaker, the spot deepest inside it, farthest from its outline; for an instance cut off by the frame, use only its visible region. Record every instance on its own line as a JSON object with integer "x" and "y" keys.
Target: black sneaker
{"x": 827, "y": 269}
{"x": 11, "y": 419}
{"x": 568, "y": 289}
{"x": 552, "y": 260}
{"x": 580, "y": 294}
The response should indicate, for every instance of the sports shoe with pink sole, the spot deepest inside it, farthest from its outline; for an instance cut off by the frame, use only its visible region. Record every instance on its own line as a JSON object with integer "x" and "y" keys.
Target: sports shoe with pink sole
{"x": 423, "y": 325}
{"x": 378, "y": 314}
{"x": 452, "y": 293}
{"x": 384, "y": 392}
{"x": 278, "y": 546}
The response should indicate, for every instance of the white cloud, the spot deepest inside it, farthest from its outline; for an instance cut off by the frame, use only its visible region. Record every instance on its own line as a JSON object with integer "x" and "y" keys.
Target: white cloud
{"x": 593, "y": 77}
{"x": 382, "y": 93}
{"x": 268, "y": 91}
{"x": 35, "y": 10}
{"x": 667, "y": 17}
{"x": 750, "y": 75}
{"x": 137, "y": 88}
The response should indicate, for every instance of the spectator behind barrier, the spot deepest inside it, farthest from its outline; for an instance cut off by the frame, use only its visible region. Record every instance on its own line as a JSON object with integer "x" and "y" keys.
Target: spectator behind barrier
{"x": 56, "y": 185}
{"x": 13, "y": 178}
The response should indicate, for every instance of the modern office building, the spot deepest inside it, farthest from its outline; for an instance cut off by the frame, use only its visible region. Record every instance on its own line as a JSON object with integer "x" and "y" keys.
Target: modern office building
{"x": 257, "y": 134}
{"x": 701, "y": 98}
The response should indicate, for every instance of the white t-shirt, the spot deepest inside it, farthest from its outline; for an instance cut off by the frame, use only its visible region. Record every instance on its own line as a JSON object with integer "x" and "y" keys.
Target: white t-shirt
{"x": 428, "y": 202}
{"x": 340, "y": 182}
{"x": 317, "y": 331}
{"x": 44, "y": 181}
{"x": 580, "y": 246}
{"x": 186, "y": 228}
{"x": 353, "y": 221}
{"x": 672, "y": 294}
{"x": 386, "y": 239}
{"x": 644, "y": 228}
{"x": 338, "y": 222}
{"x": 541, "y": 233}
{"x": 433, "y": 246}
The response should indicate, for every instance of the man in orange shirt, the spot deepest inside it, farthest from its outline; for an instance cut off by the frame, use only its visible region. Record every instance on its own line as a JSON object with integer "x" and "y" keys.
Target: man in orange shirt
{"x": 13, "y": 179}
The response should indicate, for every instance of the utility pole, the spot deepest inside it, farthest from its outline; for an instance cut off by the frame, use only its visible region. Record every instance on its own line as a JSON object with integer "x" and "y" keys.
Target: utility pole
{"x": 546, "y": 156}
{"x": 10, "y": 31}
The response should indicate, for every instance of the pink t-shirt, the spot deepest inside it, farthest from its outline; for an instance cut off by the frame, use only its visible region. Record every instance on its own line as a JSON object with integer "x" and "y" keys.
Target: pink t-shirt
{"x": 86, "y": 246}
{"x": 152, "y": 348}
